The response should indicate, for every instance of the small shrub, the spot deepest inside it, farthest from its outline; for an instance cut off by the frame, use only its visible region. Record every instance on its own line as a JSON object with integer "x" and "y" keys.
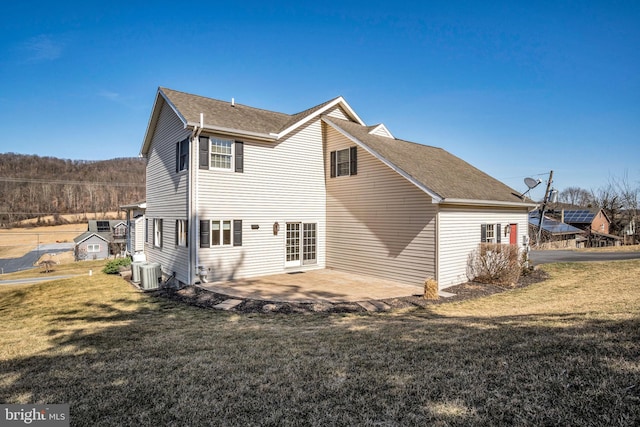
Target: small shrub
{"x": 113, "y": 266}
{"x": 495, "y": 264}
{"x": 430, "y": 289}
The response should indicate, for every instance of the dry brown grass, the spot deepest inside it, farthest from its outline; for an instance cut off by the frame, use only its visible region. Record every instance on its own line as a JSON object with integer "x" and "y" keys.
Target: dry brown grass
{"x": 562, "y": 352}
{"x": 16, "y": 242}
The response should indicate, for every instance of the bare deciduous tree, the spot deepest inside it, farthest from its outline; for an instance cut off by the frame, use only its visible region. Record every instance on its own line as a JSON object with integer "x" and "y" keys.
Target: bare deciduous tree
{"x": 576, "y": 196}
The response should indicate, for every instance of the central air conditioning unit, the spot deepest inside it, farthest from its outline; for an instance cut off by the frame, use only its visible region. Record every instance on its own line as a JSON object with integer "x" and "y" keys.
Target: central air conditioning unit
{"x": 135, "y": 270}
{"x": 150, "y": 276}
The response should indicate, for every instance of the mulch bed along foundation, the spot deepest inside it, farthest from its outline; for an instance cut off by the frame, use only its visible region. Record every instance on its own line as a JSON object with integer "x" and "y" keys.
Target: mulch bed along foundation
{"x": 199, "y": 297}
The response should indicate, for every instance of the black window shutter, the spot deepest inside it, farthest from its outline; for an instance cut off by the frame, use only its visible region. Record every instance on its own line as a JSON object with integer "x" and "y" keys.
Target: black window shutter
{"x": 498, "y": 233}
{"x": 239, "y": 154}
{"x": 483, "y": 233}
{"x": 177, "y": 156}
{"x": 204, "y": 153}
{"x": 353, "y": 157}
{"x": 237, "y": 232}
{"x": 205, "y": 234}
{"x": 333, "y": 164}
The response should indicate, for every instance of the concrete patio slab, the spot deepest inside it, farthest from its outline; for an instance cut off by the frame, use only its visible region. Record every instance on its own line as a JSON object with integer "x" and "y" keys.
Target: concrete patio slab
{"x": 314, "y": 286}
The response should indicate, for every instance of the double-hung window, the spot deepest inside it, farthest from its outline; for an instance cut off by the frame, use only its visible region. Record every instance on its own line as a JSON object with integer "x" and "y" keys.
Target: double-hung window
{"x": 490, "y": 233}
{"x": 182, "y": 155}
{"x": 157, "y": 233}
{"x": 344, "y": 162}
{"x": 182, "y": 232}
{"x": 221, "y": 153}
{"x": 220, "y": 232}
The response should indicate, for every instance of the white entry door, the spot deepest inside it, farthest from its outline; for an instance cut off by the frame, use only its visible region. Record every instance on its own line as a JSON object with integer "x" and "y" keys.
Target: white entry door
{"x": 301, "y": 244}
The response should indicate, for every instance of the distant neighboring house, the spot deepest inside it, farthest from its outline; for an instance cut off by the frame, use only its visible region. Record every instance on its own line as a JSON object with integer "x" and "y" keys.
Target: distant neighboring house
{"x": 235, "y": 192}
{"x": 595, "y": 222}
{"x": 555, "y": 234}
{"x": 102, "y": 239}
{"x": 136, "y": 227}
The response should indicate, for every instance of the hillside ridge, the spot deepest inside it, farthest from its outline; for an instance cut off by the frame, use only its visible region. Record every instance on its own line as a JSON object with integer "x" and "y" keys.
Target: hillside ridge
{"x": 33, "y": 186}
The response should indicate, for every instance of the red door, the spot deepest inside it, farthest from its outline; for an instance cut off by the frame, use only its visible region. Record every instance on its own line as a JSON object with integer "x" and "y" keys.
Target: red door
{"x": 513, "y": 234}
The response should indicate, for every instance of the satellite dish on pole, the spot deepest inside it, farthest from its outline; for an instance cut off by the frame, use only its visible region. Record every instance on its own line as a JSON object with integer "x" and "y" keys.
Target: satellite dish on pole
{"x": 531, "y": 183}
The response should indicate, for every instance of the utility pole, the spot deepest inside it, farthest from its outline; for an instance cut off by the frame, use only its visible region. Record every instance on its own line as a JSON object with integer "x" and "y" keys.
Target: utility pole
{"x": 544, "y": 206}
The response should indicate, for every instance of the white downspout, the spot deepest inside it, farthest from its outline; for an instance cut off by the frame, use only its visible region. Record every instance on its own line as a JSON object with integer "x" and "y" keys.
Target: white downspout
{"x": 193, "y": 200}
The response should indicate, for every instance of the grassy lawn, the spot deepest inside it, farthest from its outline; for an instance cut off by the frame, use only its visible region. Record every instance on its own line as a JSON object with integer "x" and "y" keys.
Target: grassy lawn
{"x": 566, "y": 351}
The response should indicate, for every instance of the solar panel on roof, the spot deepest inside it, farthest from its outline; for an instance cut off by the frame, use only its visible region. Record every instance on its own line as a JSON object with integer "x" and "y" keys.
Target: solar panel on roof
{"x": 553, "y": 226}
{"x": 579, "y": 216}
{"x": 103, "y": 226}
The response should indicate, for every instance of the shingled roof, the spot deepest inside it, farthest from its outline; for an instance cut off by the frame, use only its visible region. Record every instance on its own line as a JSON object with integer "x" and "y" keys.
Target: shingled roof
{"x": 443, "y": 175}
{"x": 224, "y": 114}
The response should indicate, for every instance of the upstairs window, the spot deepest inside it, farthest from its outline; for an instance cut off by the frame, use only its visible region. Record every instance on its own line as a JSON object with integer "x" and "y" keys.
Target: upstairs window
{"x": 344, "y": 162}
{"x": 216, "y": 153}
{"x": 221, "y": 153}
{"x": 182, "y": 155}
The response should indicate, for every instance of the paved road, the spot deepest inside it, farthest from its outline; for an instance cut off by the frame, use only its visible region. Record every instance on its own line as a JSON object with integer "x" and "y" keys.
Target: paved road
{"x": 545, "y": 257}
{"x": 10, "y": 265}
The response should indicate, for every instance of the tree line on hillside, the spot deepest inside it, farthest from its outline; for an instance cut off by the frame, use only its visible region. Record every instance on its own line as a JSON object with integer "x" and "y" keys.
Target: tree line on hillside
{"x": 32, "y": 186}
{"x": 618, "y": 198}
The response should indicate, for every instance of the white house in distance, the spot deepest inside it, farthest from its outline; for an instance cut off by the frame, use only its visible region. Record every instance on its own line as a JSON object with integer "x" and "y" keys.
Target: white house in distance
{"x": 235, "y": 192}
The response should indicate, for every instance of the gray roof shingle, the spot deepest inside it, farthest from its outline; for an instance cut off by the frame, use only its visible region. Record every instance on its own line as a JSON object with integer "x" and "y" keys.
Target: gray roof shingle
{"x": 436, "y": 169}
{"x": 222, "y": 114}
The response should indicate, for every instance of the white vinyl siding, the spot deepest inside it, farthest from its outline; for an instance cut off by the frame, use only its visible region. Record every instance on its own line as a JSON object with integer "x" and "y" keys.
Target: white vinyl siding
{"x": 282, "y": 182}
{"x": 338, "y": 113}
{"x": 378, "y": 223}
{"x": 381, "y": 130}
{"x": 460, "y": 229}
{"x": 137, "y": 234}
{"x": 166, "y": 193}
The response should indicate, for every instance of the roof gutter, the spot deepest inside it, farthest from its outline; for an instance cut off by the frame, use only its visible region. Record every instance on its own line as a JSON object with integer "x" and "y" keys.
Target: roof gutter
{"x": 499, "y": 203}
{"x": 232, "y": 132}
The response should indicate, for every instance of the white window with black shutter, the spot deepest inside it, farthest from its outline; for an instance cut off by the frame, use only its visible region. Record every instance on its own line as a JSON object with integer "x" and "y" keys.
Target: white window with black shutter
{"x": 182, "y": 155}
{"x": 344, "y": 162}
{"x": 221, "y": 154}
{"x": 490, "y": 233}
{"x": 220, "y": 232}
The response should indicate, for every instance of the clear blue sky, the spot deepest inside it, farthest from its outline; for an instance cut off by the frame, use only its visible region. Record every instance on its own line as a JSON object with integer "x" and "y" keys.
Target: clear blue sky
{"x": 514, "y": 88}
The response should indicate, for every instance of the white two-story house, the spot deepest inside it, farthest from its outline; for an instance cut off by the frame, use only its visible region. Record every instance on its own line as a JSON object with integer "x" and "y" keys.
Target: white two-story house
{"x": 235, "y": 192}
